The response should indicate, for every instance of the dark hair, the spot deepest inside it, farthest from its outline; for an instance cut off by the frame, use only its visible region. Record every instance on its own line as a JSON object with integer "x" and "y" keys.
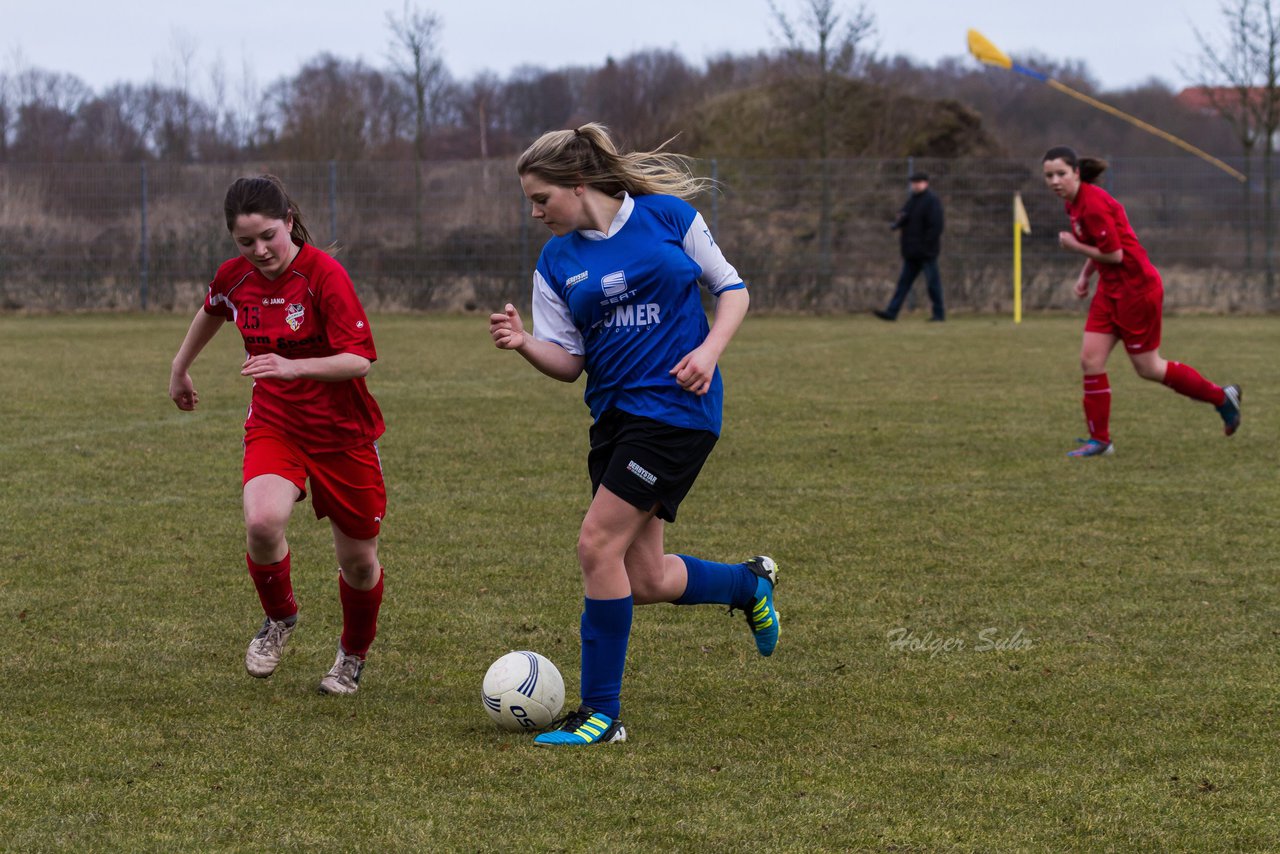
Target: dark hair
{"x": 587, "y": 155}
{"x": 264, "y": 195}
{"x": 1090, "y": 168}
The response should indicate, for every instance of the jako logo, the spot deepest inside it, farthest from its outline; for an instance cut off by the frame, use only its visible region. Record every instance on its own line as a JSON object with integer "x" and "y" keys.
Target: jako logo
{"x": 636, "y": 469}
{"x": 614, "y": 283}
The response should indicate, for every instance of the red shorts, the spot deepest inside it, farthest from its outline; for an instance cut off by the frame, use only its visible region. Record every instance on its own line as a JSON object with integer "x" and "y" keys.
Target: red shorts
{"x": 346, "y": 485}
{"x": 1133, "y": 318}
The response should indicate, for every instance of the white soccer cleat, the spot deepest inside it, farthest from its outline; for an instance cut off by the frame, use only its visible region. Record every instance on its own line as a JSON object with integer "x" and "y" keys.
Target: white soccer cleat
{"x": 263, "y": 655}
{"x": 344, "y": 676}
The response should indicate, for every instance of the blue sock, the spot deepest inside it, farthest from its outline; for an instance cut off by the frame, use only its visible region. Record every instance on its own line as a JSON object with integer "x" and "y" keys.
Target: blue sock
{"x": 713, "y": 583}
{"x": 606, "y": 628}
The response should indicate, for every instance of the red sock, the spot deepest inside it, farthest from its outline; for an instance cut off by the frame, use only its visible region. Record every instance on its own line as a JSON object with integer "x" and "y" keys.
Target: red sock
{"x": 359, "y": 615}
{"x": 1185, "y": 379}
{"x": 1097, "y": 406}
{"x": 275, "y": 590}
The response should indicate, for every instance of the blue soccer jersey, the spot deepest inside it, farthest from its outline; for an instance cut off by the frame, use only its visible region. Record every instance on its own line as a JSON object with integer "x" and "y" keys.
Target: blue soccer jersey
{"x": 629, "y": 303}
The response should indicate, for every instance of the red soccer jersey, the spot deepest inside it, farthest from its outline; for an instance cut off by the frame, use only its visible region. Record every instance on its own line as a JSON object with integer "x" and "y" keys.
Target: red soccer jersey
{"x": 1100, "y": 221}
{"x": 309, "y": 311}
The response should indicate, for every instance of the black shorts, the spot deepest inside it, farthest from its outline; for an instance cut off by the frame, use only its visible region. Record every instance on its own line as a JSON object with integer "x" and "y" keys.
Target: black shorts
{"x": 645, "y": 462}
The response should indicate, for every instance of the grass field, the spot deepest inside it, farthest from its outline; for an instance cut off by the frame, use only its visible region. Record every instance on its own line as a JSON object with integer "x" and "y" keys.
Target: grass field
{"x": 910, "y": 480}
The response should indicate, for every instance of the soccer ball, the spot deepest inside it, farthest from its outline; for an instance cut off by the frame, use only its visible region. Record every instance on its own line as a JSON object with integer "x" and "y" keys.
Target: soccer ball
{"x": 523, "y": 691}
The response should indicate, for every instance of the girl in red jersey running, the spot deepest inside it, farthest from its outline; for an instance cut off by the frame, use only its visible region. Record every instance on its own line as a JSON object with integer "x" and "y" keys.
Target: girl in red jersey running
{"x": 308, "y": 347}
{"x": 1127, "y": 305}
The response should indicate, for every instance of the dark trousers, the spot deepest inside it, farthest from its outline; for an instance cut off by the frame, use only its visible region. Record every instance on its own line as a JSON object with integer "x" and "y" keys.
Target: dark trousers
{"x": 911, "y": 268}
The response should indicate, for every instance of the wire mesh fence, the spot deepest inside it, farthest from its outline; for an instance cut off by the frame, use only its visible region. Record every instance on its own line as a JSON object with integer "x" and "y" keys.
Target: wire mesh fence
{"x": 456, "y": 236}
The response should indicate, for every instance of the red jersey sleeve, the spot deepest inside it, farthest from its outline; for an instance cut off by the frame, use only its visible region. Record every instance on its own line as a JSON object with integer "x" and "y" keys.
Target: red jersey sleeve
{"x": 218, "y": 300}
{"x": 345, "y": 323}
{"x": 1102, "y": 228}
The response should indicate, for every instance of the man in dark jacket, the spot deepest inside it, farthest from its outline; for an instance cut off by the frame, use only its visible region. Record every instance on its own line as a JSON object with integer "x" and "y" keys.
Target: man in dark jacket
{"x": 919, "y": 224}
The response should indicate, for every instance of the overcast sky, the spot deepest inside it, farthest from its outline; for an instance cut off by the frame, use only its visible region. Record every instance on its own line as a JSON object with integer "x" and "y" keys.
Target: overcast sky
{"x": 138, "y": 40}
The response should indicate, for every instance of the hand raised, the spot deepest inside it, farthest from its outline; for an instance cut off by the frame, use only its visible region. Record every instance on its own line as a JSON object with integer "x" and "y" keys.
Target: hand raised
{"x": 507, "y": 329}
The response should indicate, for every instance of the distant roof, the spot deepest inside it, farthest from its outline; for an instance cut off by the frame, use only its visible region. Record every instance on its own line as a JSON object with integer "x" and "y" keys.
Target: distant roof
{"x": 1216, "y": 99}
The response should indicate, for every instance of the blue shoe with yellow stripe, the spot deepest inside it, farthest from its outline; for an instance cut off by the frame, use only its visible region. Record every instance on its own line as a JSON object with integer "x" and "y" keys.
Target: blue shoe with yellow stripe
{"x": 762, "y": 616}
{"x": 585, "y": 726}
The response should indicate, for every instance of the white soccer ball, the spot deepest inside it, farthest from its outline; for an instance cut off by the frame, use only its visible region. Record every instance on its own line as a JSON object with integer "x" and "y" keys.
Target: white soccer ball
{"x": 523, "y": 691}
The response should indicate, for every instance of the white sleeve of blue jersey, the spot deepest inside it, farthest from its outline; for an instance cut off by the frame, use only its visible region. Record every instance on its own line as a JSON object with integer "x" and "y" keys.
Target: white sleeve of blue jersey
{"x": 551, "y": 319}
{"x": 718, "y": 274}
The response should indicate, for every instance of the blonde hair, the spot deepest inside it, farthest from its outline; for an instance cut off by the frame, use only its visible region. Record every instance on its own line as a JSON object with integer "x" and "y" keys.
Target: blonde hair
{"x": 587, "y": 155}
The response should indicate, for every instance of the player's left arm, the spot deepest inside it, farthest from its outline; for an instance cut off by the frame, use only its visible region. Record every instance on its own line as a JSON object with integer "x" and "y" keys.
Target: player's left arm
{"x": 1081, "y": 288}
{"x": 697, "y": 369}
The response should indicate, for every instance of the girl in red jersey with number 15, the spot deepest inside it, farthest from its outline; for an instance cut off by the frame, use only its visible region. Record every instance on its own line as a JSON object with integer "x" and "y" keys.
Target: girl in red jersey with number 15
{"x": 1128, "y": 304}
{"x": 308, "y": 348}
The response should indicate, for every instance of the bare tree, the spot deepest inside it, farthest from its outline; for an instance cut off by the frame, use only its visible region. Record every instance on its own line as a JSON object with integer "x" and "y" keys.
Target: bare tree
{"x": 177, "y": 132}
{"x": 46, "y": 104}
{"x": 478, "y": 109}
{"x": 535, "y": 101}
{"x": 1239, "y": 75}
{"x": 6, "y": 114}
{"x": 415, "y": 55}
{"x": 326, "y": 112}
{"x": 823, "y": 43}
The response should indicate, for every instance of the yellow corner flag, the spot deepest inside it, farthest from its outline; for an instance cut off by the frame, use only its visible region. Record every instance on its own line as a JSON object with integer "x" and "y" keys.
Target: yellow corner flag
{"x": 982, "y": 49}
{"x": 1021, "y": 226}
{"x": 1020, "y": 218}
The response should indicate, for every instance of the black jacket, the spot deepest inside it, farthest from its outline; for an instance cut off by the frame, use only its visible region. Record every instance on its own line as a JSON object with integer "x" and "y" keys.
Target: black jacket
{"x": 920, "y": 222}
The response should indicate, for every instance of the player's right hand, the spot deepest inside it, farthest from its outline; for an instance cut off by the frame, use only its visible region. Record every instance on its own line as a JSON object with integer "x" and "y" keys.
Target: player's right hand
{"x": 507, "y": 329}
{"x": 182, "y": 392}
{"x": 1081, "y": 289}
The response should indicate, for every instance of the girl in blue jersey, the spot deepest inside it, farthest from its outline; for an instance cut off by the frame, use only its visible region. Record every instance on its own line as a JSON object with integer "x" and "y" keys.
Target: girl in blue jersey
{"x": 616, "y": 293}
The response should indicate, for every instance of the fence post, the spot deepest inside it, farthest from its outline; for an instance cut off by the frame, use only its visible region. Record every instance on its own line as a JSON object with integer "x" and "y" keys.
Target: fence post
{"x": 144, "y": 254}
{"x": 333, "y": 201}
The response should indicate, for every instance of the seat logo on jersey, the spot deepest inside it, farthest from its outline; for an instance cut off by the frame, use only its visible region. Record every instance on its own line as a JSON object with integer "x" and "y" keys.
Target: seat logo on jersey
{"x": 294, "y": 315}
{"x": 614, "y": 284}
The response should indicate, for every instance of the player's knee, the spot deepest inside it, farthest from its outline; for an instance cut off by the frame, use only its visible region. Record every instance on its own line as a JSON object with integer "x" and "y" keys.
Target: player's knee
{"x": 1152, "y": 371}
{"x": 591, "y": 548}
{"x": 647, "y": 586}
{"x": 263, "y": 532}
{"x": 596, "y": 548}
{"x": 361, "y": 574}
{"x": 1149, "y": 374}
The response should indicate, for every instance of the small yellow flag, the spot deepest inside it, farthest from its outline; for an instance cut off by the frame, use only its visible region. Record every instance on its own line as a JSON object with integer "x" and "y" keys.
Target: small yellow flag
{"x": 1020, "y": 214}
{"x": 984, "y": 51}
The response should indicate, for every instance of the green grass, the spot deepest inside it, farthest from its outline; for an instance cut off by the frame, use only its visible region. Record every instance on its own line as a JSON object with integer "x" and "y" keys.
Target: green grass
{"x": 905, "y": 476}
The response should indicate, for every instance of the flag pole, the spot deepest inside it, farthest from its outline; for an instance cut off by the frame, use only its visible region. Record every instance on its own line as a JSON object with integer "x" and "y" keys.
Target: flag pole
{"x": 1021, "y": 225}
